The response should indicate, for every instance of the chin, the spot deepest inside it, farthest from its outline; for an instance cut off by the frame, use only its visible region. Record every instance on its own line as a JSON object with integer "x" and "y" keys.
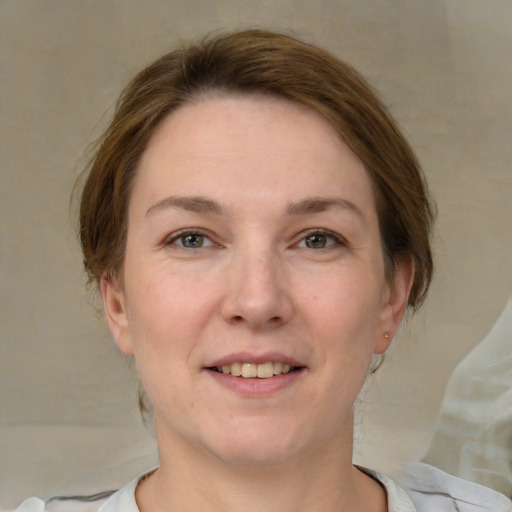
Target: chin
{"x": 255, "y": 455}
{"x": 258, "y": 445}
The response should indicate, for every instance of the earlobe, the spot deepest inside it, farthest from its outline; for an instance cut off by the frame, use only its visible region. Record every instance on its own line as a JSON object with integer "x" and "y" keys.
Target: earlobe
{"x": 114, "y": 304}
{"x": 395, "y": 304}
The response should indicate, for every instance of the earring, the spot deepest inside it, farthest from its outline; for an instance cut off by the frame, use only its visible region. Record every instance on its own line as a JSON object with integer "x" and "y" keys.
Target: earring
{"x": 386, "y": 335}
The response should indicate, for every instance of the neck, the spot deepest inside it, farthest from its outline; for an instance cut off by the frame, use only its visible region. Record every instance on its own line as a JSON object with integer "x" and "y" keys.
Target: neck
{"x": 189, "y": 481}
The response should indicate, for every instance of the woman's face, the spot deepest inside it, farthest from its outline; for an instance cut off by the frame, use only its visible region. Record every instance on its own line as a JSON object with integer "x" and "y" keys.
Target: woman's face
{"x": 253, "y": 247}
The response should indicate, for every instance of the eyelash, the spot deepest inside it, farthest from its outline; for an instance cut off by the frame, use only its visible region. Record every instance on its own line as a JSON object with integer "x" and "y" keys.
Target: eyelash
{"x": 336, "y": 239}
{"x": 172, "y": 239}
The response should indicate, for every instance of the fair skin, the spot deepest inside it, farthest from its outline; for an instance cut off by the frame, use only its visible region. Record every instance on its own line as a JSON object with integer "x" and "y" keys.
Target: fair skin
{"x": 252, "y": 239}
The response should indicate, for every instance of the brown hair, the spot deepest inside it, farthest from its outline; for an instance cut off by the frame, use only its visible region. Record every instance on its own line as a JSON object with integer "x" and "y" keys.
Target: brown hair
{"x": 255, "y": 62}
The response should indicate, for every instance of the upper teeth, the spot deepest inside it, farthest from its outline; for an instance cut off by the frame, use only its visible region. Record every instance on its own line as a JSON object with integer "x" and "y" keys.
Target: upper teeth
{"x": 251, "y": 370}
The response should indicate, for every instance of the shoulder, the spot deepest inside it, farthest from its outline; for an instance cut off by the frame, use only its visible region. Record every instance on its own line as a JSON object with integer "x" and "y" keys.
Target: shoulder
{"x": 433, "y": 490}
{"x": 31, "y": 505}
{"x": 60, "y": 505}
{"x": 93, "y": 503}
{"x": 118, "y": 501}
{"x": 398, "y": 501}
{"x": 123, "y": 500}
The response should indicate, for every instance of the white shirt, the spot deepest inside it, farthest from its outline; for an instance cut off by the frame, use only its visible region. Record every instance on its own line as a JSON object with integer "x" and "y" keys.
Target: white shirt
{"x": 423, "y": 488}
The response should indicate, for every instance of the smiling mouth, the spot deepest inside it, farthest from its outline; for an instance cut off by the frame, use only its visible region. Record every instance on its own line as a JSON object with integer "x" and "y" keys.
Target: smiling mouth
{"x": 255, "y": 371}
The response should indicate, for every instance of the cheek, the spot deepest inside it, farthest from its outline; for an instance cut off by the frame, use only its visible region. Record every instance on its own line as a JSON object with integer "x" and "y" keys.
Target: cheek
{"x": 166, "y": 311}
{"x": 344, "y": 319}
{"x": 347, "y": 299}
{"x": 160, "y": 320}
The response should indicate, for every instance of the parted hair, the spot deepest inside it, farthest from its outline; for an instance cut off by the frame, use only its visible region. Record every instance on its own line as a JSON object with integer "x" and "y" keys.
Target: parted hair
{"x": 258, "y": 62}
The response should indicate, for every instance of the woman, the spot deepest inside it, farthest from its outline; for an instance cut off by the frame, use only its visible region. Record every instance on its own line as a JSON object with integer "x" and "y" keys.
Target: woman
{"x": 257, "y": 226}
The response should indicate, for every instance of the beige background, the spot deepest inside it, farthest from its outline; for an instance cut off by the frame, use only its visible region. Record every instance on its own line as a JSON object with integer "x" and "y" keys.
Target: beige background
{"x": 69, "y": 420}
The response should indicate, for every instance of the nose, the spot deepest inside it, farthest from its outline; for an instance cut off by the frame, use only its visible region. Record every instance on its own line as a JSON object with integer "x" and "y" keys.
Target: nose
{"x": 258, "y": 294}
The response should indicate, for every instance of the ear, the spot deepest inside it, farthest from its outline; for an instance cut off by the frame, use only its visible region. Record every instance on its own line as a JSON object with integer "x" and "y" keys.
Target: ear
{"x": 394, "y": 304}
{"x": 114, "y": 304}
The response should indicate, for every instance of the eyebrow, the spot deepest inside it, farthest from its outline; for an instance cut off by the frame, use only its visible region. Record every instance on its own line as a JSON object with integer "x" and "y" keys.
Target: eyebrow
{"x": 196, "y": 204}
{"x": 200, "y": 204}
{"x": 321, "y": 204}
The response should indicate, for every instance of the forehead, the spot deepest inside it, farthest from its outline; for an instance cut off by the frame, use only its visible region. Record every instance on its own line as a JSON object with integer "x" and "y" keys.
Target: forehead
{"x": 246, "y": 145}
{"x": 254, "y": 120}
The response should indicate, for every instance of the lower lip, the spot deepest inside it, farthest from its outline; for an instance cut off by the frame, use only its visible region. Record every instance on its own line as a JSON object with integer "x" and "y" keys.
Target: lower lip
{"x": 257, "y": 387}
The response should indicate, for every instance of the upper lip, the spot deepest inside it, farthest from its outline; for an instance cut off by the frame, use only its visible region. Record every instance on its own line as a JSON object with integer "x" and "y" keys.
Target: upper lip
{"x": 248, "y": 357}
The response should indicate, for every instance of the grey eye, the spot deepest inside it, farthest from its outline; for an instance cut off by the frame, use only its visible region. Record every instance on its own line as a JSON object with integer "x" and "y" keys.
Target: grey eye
{"x": 192, "y": 241}
{"x": 316, "y": 241}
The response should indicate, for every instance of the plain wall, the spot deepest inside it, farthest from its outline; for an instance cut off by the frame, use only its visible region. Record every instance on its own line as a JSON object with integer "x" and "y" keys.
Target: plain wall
{"x": 68, "y": 405}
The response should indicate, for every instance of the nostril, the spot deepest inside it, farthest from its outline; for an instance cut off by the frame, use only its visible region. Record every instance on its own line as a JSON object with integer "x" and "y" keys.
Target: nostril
{"x": 237, "y": 319}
